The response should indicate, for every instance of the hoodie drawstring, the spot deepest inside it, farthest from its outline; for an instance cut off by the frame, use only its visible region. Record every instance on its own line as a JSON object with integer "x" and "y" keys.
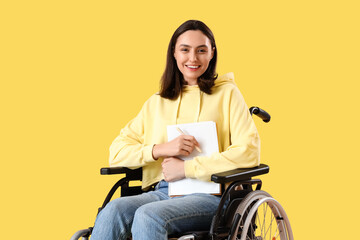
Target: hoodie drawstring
{"x": 199, "y": 107}
{"x": 178, "y": 107}
{"x": 224, "y": 79}
{"x": 197, "y": 116}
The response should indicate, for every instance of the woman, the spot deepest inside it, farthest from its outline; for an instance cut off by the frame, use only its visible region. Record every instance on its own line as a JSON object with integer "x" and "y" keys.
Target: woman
{"x": 190, "y": 92}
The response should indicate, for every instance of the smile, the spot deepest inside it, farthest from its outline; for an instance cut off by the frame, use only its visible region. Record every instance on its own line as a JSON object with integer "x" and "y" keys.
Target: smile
{"x": 192, "y": 67}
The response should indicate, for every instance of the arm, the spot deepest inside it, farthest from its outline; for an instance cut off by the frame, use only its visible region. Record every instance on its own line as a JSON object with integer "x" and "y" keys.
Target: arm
{"x": 244, "y": 151}
{"x": 128, "y": 149}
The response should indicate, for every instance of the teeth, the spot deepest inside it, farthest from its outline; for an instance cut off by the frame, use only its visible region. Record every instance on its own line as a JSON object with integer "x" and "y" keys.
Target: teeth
{"x": 193, "y": 66}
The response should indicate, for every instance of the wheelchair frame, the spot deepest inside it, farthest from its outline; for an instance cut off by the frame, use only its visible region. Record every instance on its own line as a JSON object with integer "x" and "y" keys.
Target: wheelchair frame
{"x": 237, "y": 216}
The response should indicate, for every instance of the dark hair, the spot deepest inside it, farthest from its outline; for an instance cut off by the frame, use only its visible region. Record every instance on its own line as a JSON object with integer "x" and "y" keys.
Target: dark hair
{"x": 172, "y": 80}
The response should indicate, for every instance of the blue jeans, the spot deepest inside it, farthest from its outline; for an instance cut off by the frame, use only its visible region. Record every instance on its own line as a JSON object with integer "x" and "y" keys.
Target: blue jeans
{"x": 154, "y": 215}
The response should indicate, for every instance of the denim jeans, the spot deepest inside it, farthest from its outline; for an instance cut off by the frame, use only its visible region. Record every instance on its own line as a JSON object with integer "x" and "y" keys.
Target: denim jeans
{"x": 154, "y": 215}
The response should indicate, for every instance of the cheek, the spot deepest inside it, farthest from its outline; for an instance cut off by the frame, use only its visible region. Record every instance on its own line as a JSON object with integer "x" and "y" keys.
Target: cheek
{"x": 179, "y": 59}
{"x": 179, "y": 62}
{"x": 206, "y": 58}
{"x": 206, "y": 62}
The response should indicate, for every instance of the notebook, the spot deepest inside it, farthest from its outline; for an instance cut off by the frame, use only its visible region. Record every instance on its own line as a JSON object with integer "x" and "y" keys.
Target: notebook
{"x": 206, "y": 135}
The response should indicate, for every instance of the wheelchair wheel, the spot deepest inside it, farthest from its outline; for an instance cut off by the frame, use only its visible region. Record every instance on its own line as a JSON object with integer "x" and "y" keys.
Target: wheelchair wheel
{"x": 261, "y": 218}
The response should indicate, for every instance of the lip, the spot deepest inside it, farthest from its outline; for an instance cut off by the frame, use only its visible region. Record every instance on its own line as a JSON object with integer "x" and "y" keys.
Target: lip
{"x": 193, "y": 69}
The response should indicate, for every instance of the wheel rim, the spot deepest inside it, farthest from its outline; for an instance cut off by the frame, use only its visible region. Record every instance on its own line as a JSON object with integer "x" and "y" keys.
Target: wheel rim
{"x": 265, "y": 221}
{"x": 244, "y": 209}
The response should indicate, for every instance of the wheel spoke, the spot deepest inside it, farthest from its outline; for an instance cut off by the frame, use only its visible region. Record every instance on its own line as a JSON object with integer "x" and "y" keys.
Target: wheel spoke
{"x": 272, "y": 218}
{"x": 276, "y": 235}
{"x": 265, "y": 207}
{"x": 263, "y": 224}
{"x": 260, "y": 226}
{"x": 252, "y": 233}
{"x": 270, "y": 226}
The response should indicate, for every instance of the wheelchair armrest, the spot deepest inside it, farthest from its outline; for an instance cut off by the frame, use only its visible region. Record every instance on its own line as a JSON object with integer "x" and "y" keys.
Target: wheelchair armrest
{"x": 113, "y": 170}
{"x": 239, "y": 174}
{"x": 131, "y": 174}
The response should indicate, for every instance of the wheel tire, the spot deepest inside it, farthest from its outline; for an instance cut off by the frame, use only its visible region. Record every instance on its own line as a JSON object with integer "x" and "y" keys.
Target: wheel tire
{"x": 243, "y": 209}
{"x": 261, "y": 216}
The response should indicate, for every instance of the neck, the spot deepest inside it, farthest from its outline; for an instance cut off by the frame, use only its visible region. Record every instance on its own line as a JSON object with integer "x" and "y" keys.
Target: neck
{"x": 191, "y": 82}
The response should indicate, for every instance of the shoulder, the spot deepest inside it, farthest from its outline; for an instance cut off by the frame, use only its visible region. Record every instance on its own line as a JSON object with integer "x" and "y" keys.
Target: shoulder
{"x": 155, "y": 101}
{"x": 225, "y": 84}
{"x": 226, "y": 89}
{"x": 155, "y": 98}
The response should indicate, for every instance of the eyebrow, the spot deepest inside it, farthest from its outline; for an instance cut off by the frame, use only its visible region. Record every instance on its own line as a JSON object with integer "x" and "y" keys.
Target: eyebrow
{"x": 185, "y": 45}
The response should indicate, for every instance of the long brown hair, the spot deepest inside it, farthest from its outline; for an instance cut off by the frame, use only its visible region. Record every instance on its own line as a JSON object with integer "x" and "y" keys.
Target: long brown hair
{"x": 172, "y": 80}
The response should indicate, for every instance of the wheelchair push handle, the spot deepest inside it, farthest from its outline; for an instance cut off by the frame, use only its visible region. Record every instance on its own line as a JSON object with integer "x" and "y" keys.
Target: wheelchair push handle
{"x": 260, "y": 113}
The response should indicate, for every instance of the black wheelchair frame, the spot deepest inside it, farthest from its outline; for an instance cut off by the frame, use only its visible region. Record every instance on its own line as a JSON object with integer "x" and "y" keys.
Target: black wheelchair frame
{"x": 232, "y": 212}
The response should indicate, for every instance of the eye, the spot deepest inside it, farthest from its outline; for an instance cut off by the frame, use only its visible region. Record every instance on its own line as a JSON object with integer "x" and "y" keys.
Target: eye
{"x": 184, "y": 50}
{"x": 202, "y": 50}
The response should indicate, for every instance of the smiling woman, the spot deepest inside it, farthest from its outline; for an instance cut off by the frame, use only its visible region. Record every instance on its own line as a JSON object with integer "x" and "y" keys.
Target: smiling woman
{"x": 190, "y": 92}
{"x": 191, "y": 55}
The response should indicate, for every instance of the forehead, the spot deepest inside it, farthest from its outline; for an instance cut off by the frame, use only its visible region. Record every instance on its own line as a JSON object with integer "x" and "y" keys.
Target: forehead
{"x": 193, "y": 38}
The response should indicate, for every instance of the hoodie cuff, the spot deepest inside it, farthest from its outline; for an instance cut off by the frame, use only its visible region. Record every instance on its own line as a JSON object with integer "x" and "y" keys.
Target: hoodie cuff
{"x": 147, "y": 153}
{"x": 189, "y": 169}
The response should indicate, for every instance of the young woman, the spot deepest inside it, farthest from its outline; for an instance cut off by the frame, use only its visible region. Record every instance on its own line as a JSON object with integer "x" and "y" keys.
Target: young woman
{"x": 190, "y": 92}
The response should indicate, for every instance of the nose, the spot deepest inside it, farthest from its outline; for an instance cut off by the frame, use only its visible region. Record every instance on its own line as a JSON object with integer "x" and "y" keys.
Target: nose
{"x": 193, "y": 56}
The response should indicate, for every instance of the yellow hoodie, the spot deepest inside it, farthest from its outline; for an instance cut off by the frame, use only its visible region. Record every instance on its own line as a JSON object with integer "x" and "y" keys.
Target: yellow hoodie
{"x": 239, "y": 142}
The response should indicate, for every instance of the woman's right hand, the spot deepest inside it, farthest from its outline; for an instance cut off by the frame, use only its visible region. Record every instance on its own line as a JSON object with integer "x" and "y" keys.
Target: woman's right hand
{"x": 182, "y": 145}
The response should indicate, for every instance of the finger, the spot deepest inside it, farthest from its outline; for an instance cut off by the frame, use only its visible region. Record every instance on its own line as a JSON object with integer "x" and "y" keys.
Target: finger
{"x": 192, "y": 145}
{"x": 187, "y": 149}
{"x": 188, "y": 137}
{"x": 188, "y": 142}
{"x": 192, "y": 139}
{"x": 184, "y": 153}
{"x": 164, "y": 170}
{"x": 166, "y": 160}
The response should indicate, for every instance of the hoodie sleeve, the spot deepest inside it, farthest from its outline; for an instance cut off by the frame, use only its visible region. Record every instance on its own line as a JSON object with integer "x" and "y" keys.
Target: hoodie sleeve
{"x": 128, "y": 149}
{"x": 244, "y": 151}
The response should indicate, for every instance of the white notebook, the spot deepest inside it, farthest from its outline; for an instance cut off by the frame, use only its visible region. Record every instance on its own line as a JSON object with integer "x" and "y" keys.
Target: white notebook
{"x": 206, "y": 135}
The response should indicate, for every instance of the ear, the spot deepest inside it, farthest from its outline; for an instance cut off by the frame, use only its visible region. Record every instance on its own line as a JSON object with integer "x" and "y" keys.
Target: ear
{"x": 212, "y": 52}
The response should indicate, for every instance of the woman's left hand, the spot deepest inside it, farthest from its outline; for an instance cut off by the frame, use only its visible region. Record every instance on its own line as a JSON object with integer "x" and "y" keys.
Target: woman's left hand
{"x": 173, "y": 169}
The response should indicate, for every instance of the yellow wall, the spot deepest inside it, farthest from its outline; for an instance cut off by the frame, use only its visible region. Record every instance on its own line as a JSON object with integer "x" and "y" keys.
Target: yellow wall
{"x": 74, "y": 72}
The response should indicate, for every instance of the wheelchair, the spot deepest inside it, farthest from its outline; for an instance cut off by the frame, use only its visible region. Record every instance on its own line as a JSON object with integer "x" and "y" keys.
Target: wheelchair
{"x": 245, "y": 212}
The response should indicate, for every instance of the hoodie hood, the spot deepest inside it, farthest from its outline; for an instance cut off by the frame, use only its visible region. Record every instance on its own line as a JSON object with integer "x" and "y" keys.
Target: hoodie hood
{"x": 227, "y": 78}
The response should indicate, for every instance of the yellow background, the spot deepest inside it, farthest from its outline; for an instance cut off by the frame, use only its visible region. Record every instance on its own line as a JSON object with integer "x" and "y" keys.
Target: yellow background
{"x": 73, "y": 73}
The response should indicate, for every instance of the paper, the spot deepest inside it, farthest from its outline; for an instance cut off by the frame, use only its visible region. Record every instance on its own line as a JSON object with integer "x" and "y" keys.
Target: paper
{"x": 206, "y": 135}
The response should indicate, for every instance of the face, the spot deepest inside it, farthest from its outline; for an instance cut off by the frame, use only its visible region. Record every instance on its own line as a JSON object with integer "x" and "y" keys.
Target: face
{"x": 193, "y": 53}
